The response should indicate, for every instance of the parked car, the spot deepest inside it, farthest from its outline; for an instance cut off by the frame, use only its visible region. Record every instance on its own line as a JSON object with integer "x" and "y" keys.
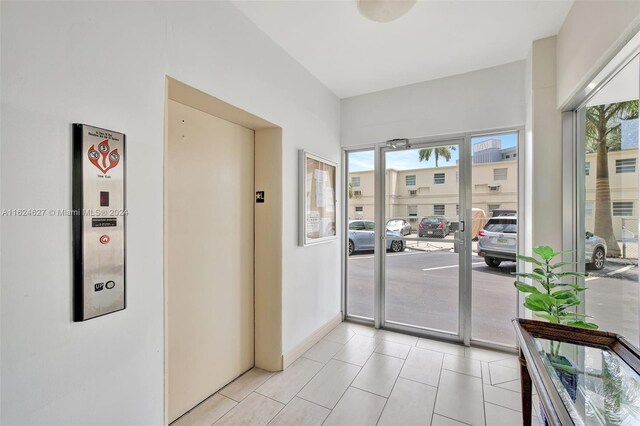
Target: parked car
{"x": 503, "y": 212}
{"x": 361, "y": 237}
{"x": 433, "y": 226}
{"x": 400, "y": 226}
{"x": 497, "y": 243}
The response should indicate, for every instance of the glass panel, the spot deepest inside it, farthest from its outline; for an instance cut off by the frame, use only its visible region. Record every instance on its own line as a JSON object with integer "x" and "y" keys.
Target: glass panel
{"x": 422, "y": 276}
{"x": 360, "y": 210}
{"x": 494, "y": 234}
{"x": 610, "y": 208}
{"x": 596, "y": 386}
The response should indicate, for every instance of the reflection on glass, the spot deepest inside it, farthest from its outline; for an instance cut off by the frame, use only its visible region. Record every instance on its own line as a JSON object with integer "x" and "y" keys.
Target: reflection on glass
{"x": 596, "y": 386}
{"x": 494, "y": 185}
{"x": 422, "y": 200}
{"x": 611, "y": 204}
{"x": 360, "y": 206}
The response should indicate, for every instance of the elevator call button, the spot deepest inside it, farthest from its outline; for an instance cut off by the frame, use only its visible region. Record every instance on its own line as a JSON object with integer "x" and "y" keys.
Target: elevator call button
{"x": 105, "y": 239}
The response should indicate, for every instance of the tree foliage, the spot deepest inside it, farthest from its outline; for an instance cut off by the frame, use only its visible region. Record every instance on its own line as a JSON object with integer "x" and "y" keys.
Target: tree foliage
{"x": 443, "y": 151}
{"x": 604, "y": 134}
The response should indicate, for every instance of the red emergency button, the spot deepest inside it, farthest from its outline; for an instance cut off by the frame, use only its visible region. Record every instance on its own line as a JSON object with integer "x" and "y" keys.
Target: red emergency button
{"x": 105, "y": 239}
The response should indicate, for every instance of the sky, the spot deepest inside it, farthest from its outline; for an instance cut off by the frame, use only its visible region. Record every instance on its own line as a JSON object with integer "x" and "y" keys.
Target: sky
{"x": 404, "y": 159}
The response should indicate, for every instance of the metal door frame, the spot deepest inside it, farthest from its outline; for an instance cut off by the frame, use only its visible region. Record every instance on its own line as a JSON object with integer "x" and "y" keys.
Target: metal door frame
{"x": 465, "y": 182}
{"x": 463, "y": 334}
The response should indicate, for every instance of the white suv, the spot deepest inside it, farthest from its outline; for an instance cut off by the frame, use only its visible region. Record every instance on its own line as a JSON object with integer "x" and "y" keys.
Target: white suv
{"x": 497, "y": 242}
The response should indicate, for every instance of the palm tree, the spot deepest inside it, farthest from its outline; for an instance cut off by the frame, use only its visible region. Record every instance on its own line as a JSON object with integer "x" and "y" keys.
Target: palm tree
{"x": 350, "y": 190}
{"x": 443, "y": 151}
{"x": 604, "y": 135}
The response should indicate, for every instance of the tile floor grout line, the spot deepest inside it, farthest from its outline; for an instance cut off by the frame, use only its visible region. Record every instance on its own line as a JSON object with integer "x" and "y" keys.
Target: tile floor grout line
{"x": 484, "y": 401}
{"x": 369, "y": 392}
{"x": 500, "y": 405}
{"x": 350, "y": 383}
{"x": 390, "y": 393}
{"x": 507, "y": 408}
{"x": 450, "y": 418}
{"x": 268, "y": 397}
{"x": 500, "y": 387}
{"x": 466, "y": 374}
{"x": 435, "y": 401}
{"x": 279, "y": 411}
{"x": 415, "y": 381}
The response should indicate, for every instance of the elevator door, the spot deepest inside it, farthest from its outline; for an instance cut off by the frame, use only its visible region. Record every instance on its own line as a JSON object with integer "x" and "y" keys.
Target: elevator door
{"x": 209, "y": 253}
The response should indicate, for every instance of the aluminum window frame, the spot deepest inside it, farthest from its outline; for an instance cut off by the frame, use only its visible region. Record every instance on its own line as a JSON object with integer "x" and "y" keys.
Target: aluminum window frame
{"x": 573, "y": 151}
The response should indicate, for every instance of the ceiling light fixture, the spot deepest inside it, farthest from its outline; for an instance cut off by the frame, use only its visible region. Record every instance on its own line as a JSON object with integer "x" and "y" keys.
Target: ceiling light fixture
{"x": 384, "y": 10}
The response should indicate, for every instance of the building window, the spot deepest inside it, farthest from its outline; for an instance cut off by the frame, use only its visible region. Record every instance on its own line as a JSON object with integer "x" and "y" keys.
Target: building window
{"x": 355, "y": 181}
{"x": 413, "y": 192}
{"x": 623, "y": 208}
{"x": 410, "y": 180}
{"x": 587, "y": 168}
{"x": 588, "y": 208}
{"x": 438, "y": 178}
{"x": 412, "y": 212}
{"x": 438, "y": 209}
{"x": 626, "y": 165}
{"x": 500, "y": 174}
{"x": 359, "y": 211}
{"x": 493, "y": 207}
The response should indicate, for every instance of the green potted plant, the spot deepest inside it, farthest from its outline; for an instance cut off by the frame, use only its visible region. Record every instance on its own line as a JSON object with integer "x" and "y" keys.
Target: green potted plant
{"x": 554, "y": 301}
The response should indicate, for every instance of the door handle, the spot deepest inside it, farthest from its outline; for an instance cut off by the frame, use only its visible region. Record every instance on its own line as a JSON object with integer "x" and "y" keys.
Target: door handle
{"x": 462, "y": 223}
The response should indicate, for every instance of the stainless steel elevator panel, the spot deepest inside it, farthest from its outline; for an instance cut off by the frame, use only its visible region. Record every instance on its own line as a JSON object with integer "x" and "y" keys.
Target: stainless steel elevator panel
{"x": 99, "y": 215}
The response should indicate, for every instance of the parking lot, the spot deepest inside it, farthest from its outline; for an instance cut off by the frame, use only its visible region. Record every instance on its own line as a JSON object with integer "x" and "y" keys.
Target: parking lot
{"x": 422, "y": 289}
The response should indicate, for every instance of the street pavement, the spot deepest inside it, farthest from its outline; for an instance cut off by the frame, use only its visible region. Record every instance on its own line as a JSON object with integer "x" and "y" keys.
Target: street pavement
{"x": 422, "y": 289}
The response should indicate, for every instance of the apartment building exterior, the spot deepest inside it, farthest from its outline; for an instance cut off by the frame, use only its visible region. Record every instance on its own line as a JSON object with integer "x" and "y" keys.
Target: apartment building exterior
{"x": 415, "y": 193}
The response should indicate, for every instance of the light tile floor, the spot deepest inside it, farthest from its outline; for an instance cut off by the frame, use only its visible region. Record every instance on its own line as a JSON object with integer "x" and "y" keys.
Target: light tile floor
{"x": 357, "y": 375}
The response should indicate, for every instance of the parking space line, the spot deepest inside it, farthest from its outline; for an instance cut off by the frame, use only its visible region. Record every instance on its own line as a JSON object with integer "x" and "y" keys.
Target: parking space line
{"x": 621, "y": 270}
{"x": 451, "y": 266}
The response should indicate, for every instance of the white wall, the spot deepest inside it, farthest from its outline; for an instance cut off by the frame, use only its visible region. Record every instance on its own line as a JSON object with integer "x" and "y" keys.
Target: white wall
{"x": 479, "y": 100}
{"x": 591, "y": 33}
{"x": 105, "y": 64}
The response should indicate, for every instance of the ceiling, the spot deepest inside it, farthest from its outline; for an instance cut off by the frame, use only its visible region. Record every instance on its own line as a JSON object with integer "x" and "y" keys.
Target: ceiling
{"x": 352, "y": 55}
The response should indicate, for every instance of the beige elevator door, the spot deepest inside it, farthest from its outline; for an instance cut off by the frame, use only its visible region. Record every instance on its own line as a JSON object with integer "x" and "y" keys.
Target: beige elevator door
{"x": 209, "y": 231}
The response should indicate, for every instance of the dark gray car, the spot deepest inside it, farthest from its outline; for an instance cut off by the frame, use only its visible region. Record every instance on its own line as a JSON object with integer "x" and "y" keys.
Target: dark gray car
{"x": 434, "y": 227}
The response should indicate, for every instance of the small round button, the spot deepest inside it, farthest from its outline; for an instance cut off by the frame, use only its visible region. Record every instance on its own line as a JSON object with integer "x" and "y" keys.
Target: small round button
{"x": 105, "y": 239}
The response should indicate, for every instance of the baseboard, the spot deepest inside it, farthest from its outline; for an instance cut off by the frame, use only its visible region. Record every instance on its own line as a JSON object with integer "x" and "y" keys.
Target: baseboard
{"x": 306, "y": 344}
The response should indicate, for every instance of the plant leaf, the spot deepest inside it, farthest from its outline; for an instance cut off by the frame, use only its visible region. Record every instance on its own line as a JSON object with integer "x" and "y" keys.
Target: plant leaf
{"x": 545, "y": 252}
{"x": 539, "y": 302}
{"x": 530, "y": 275}
{"x": 564, "y": 294}
{"x": 582, "y": 324}
{"x": 525, "y": 288}
{"x": 576, "y": 287}
{"x": 530, "y": 260}
{"x": 550, "y": 318}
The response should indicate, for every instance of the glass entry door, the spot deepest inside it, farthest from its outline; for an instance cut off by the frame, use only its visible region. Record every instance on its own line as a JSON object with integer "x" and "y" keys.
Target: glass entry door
{"x": 424, "y": 261}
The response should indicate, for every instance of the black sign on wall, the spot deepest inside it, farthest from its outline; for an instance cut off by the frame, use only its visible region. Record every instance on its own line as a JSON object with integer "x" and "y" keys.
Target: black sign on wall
{"x": 259, "y": 196}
